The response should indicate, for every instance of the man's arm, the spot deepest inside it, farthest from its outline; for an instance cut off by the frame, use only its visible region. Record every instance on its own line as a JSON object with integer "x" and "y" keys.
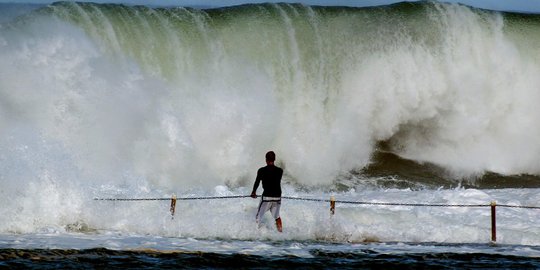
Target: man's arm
{"x": 256, "y": 185}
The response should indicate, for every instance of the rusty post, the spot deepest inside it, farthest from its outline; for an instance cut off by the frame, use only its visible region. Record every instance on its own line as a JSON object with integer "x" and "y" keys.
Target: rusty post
{"x": 493, "y": 222}
{"x": 332, "y": 205}
{"x": 173, "y": 205}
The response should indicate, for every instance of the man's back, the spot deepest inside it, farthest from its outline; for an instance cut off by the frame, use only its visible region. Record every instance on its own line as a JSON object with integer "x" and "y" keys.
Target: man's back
{"x": 270, "y": 176}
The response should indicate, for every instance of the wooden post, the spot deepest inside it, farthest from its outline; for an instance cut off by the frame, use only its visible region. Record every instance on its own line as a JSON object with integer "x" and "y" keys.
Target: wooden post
{"x": 332, "y": 205}
{"x": 493, "y": 222}
{"x": 173, "y": 205}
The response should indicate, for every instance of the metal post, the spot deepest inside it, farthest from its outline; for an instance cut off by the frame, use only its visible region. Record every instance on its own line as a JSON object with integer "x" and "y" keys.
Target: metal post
{"x": 332, "y": 205}
{"x": 173, "y": 205}
{"x": 493, "y": 222}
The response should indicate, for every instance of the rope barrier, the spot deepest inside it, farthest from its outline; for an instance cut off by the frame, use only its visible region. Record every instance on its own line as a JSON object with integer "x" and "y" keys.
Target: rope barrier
{"x": 518, "y": 206}
{"x": 132, "y": 199}
{"x": 168, "y": 199}
{"x": 333, "y": 202}
{"x": 387, "y": 203}
{"x": 319, "y": 200}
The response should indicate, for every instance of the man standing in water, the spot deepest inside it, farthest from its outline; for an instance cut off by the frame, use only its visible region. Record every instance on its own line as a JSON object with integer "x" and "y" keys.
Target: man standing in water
{"x": 270, "y": 175}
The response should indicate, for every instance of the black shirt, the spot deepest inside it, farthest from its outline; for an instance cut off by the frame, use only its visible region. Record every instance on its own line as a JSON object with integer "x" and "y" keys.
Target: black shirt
{"x": 271, "y": 180}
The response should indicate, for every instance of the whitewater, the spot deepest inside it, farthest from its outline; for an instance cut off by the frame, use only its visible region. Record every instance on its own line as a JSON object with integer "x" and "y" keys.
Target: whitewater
{"x": 408, "y": 103}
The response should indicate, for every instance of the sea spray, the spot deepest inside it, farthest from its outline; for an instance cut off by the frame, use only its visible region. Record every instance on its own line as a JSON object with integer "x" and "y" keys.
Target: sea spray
{"x": 442, "y": 83}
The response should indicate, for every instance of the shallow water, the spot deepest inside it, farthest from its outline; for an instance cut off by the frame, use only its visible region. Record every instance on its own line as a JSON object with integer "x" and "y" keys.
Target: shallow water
{"x": 150, "y": 252}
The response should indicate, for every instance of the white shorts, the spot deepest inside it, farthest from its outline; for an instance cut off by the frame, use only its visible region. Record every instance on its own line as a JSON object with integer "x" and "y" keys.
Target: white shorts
{"x": 269, "y": 203}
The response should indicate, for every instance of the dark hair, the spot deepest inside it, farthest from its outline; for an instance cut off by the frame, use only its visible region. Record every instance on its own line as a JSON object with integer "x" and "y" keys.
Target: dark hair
{"x": 270, "y": 156}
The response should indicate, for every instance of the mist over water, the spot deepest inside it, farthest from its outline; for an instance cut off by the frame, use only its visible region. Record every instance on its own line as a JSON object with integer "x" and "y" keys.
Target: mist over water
{"x": 110, "y": 100}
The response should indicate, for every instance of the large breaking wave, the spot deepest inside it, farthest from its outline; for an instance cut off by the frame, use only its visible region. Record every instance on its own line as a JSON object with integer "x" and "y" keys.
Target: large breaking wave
{"x": 195, "y": 97}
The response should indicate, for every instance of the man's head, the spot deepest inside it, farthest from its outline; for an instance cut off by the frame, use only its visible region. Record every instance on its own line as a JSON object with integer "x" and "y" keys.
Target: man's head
{"x": 270, "y": 157}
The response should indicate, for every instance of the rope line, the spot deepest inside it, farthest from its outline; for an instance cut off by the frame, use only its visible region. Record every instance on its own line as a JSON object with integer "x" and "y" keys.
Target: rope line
{"x": 318, "y": 200}
{"x": 168, "y": 199}
{"x": 132, "y": 199}
{"x": 518, "y": 206}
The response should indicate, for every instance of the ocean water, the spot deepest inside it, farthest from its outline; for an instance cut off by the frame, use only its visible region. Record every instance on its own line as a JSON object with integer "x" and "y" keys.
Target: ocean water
{"x": 414, "y": 103}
